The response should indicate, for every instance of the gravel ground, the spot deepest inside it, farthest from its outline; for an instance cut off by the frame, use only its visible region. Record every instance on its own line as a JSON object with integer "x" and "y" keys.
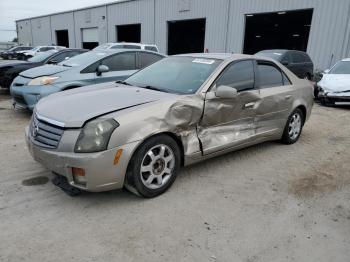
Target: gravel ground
{"x": 269, "y": 202}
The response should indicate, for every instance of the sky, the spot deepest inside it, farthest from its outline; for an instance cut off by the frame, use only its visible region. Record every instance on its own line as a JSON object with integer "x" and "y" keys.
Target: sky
{"x": 12, "y": 10}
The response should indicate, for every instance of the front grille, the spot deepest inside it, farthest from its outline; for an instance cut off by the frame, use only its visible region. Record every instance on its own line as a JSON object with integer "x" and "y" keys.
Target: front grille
{"x": 45, "y": 134}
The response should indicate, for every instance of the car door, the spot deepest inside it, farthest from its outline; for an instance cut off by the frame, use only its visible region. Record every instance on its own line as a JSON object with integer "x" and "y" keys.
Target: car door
{"x": 276, "y": 93}
{"x": 227, "y": 123}
{"x": 120, "y": 65}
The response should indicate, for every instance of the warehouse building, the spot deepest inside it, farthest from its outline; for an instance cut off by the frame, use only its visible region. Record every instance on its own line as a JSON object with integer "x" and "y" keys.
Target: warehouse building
{"x": 320, "y": 27}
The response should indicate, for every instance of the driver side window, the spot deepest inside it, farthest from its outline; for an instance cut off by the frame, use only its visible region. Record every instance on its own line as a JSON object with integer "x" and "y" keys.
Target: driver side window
{"x": 239, "y": 75}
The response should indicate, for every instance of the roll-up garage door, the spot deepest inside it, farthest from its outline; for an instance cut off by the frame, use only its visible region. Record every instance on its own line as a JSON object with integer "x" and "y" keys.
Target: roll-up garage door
{"x": 89, "y": 37}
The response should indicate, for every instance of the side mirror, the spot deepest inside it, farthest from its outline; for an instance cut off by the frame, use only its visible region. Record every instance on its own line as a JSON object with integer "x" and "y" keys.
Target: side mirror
{"x": 226, "y": 92}
{"x": 52, "y": 62}
{"x": 285, "y": 63}
{"x": 102, "y": 69}
{"x": 326, "y": 71}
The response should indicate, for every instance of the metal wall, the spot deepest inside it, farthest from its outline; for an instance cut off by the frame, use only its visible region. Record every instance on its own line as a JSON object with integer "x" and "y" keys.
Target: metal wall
{"x": 132, "y": 12}
{"x": 329, "y": 38}
{"x": 41, "y": 31}
{"x": 90, "y": 18}
{"x": 64, "y": 21}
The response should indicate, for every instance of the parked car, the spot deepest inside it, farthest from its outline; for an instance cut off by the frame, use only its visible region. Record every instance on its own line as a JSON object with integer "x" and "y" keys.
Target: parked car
{"x": 37, "y": 50}
{"x": 10, "y": 70}
{"x": 178, "y": 111}
{"x": 298, "y": 62}
{"x": 126, "y": 45}
{"x": 13, "y": 52}
{"x": 334, "y": 87}
{"x": 85, "y": 69}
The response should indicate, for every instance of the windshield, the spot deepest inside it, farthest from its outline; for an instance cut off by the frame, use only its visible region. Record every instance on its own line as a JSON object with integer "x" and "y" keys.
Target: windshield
{"x": 42, "y": 56}
{"x": 274, "y": 55}
{"x": 342, "y": 67}
{"x": 181, "y": 75}
{"x": 83, "y": 59}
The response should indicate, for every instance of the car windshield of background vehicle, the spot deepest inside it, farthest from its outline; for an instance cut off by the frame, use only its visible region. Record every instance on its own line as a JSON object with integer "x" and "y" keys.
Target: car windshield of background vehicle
{"x": 274, "y": 55}
{"x": 84, "y": 59}
{"x": 180, "y": 75}
{"x": 341, "y": 68}
{"x": 41, "y": 57}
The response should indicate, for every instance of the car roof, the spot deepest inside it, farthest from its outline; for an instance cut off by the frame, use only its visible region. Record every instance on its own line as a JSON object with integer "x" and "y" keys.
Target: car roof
{"x": 221, "y": 56}
{"x": 115, "y": 51}
{"x": 276, "y": 51}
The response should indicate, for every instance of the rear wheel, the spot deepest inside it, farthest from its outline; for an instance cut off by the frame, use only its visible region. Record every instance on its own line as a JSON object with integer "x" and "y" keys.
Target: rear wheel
{"x": 154, "y": 166}
{"x": 294, "y": 127}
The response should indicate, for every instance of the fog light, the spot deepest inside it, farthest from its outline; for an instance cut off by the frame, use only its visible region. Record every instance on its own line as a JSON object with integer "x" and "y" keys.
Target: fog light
{"x": 79, "y": 175}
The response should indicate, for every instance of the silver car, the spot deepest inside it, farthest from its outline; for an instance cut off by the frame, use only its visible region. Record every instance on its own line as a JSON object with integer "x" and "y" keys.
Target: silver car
{"x": 178, "y": 111}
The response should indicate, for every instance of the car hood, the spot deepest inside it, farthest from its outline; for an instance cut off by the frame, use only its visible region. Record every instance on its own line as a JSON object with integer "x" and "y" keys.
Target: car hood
{"x": 335, "y": 83}
{"x": 6, "y": 63}
{"x": 73, "y": 108}
{"x": 45, "y": 70}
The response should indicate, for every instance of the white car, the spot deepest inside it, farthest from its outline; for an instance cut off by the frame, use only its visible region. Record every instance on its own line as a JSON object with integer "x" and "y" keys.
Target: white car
{"x": 334, "y": 87}
{"x": 39, "y": 49}
{"x": 126, "y": 45}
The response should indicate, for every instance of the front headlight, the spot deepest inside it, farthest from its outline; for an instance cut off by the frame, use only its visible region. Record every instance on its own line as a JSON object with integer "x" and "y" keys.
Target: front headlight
{"x": 95, "y": 136}
{"x": 43, "y": 80}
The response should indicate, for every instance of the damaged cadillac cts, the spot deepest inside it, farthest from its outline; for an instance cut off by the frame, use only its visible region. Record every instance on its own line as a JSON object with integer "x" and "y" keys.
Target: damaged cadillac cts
{"x": 181, "y": 110}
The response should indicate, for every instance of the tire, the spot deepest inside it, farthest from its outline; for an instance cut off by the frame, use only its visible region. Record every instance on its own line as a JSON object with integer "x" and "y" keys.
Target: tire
{"x": 154, "y": 166}
{"x": 292, "y": 132}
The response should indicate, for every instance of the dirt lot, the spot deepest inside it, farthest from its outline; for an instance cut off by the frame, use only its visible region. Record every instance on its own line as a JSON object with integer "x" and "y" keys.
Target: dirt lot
{"x": 266, "y": 203}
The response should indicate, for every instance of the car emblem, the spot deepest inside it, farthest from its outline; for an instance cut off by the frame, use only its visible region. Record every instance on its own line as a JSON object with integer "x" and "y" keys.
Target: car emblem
{"x": 35, "y": 130}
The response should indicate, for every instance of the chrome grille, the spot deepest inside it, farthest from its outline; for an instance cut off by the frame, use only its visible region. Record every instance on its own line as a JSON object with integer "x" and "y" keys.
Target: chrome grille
{"x": 45, "y": 134}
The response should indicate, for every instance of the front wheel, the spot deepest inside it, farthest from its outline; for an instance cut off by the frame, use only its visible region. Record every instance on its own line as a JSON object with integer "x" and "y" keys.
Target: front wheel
{"x": 294, "y": 127}
{"x": 154, "y": 166}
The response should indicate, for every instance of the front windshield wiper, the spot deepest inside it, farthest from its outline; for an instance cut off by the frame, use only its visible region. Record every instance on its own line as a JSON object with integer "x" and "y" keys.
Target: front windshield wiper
{"x": 154, "y": 88}
{"x": 123, "y": 83}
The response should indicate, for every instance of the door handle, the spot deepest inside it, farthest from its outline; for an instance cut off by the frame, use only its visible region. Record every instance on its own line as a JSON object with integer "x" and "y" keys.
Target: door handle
{"x": 249, "y": 105}
{"x": 288, "y": 97}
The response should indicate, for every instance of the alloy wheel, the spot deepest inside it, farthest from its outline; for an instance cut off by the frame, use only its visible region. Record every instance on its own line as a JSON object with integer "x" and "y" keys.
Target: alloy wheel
{"x": 157, "y": 166}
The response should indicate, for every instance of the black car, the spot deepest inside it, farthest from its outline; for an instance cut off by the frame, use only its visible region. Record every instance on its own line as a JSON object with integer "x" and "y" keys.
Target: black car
{"x": 9, "y": 70}
{"x": 12, "y": 52}
{"x": 298, "y": 62}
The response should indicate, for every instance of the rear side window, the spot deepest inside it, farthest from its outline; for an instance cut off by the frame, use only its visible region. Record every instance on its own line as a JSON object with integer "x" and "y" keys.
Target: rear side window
{"x": 298, "y": 57}
{"x": 269, "y": 75}
{"x": 151, "y": 48}
{"x": 126, "y": 47}
{"x": 147, "y": 59}
{"x": 121, "y": 62}
{"x": 239, "y": 75}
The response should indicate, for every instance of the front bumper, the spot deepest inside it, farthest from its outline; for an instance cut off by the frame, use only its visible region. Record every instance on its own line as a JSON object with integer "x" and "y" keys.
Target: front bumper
{"x": 100, "y": 171}
{"x": 335, "y": 97}
{"x": 25, "y": 96}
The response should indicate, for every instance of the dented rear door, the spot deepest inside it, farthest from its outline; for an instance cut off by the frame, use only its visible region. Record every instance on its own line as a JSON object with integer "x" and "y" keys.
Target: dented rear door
{"x": 277, "y": 96}
{"x": 226, "y": 122}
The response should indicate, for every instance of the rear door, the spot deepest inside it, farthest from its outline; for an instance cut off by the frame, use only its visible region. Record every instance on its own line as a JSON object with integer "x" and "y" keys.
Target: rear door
{"x": 276, "y": 92}
{"x": 227, "y": 123}
{"x": 121, "y": 66}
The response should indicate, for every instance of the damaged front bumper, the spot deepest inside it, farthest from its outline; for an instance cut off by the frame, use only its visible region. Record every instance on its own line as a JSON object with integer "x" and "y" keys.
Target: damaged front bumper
{"x": 102, "y": 173}
{"x": 334, "y": 97}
